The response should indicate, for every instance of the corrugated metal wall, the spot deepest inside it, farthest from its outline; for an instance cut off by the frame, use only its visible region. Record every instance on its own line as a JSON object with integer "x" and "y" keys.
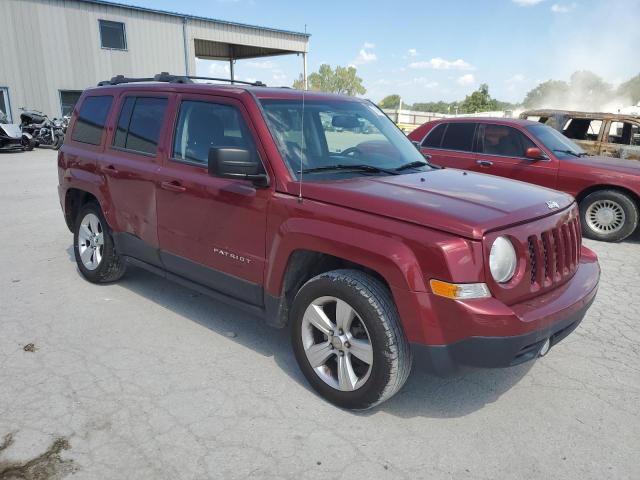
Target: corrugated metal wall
{"x": 52, "y": 45}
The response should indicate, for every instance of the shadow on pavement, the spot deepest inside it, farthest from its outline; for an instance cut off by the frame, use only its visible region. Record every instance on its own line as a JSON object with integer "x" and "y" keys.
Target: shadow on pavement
{"x": 424, "y": 394}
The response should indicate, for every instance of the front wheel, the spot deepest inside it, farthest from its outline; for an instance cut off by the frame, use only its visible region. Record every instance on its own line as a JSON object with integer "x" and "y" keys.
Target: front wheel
{"x": 348, "y": 340}
{"x": 94, "y": 249}
{"x": 608, "y": 215}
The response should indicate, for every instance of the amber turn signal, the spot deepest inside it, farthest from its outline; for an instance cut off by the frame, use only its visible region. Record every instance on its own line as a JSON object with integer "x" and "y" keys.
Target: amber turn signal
{"x": 459, "y": 291}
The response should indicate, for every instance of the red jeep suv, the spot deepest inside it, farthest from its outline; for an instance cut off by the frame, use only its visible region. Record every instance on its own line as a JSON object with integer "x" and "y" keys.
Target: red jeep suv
{"x": 607, "y": 189}
{"x": 315, "y": 212}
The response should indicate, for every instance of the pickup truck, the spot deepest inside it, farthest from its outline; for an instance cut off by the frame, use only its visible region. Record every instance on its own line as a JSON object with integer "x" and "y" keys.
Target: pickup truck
{"x": 316, "y": 213}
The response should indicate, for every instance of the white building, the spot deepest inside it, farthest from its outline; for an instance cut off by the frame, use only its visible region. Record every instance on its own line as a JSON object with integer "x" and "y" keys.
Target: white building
{"x": 50, "y": 50}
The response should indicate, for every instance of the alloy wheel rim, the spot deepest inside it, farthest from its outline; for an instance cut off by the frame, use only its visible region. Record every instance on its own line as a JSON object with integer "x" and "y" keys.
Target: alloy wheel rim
{"x": 337, "y": 343}
{"x": 605, "y": 216}
{"x": 91, "y": 241}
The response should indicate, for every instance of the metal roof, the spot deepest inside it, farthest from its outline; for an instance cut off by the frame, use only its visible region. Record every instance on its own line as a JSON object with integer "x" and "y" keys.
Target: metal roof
{"x": 192, "y": 17}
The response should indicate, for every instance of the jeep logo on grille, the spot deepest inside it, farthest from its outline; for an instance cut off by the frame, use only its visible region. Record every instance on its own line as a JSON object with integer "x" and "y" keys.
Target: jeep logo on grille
{"x": 551, "y": 204}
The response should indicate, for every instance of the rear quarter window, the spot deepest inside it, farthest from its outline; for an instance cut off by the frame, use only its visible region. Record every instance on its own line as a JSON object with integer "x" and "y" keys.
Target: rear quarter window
{"x": 91, "y": 119}
{"x": 434, "y": 137}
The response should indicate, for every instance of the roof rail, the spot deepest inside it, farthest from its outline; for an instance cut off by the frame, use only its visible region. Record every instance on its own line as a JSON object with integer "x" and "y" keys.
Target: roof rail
{"x": 167, "y": 77}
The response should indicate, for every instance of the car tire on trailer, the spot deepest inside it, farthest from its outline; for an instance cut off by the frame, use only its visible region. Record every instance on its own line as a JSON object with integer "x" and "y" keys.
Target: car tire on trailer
{"x": 608, "y": 215}
{"x": 93, "y": 247}
{"x": 347, "y": 339}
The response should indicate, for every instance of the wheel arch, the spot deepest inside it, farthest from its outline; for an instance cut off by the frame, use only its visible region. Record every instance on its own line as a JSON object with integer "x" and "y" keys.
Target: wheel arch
{"x": 74, "y": 199}
{"x": 596, "y": 188}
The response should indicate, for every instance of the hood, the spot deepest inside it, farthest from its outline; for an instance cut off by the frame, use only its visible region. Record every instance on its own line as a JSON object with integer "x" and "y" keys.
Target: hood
{"x": 463, "y": 203}
{"x": 608, "y": 164}
{"x": 11, "y": 130}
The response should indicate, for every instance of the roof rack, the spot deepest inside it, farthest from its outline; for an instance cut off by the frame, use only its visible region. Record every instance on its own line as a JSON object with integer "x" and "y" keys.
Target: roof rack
{"x": 167, "y": 77}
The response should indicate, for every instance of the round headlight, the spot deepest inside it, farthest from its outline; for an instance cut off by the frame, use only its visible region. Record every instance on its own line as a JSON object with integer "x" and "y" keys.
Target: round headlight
{"x": 502, "y": 260}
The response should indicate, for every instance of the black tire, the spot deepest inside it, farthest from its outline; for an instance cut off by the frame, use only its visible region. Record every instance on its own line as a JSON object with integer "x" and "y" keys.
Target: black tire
{"x": 27, "y": 144}
{"x": 58, "y": 142}
{"x": 624, "y": 201}
{"x": 373, "y": 303}
{"x": 112, "y": 266}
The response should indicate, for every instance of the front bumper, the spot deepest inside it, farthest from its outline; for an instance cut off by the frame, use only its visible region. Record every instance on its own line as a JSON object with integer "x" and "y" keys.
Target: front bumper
{"x": 488, "y": 333}
{"x": 496, "y": 352}
{"x": 10, "y": 143}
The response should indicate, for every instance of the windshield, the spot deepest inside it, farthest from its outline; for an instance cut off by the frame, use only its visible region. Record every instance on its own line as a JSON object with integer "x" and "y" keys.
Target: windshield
{"x": 560, "y": 145}
{"x": 339, "y": 134}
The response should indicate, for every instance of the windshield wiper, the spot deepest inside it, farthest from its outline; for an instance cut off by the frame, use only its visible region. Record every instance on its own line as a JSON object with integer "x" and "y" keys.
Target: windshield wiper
{"x": 571, "y": 152}
{"x": 416, "y": 164}
{"x": 363, "y": 168}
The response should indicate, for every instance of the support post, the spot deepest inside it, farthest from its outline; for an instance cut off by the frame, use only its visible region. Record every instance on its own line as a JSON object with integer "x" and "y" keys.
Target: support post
{"x": 185, "y": 45}
{"x": 231, "y": 61}
{"x": 304, "y": 70}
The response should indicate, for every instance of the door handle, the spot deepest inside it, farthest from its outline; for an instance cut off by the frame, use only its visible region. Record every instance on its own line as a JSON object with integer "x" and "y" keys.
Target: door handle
{"x": 173, "y": 186}
{"x": 109, "y": 170}
{"x": 484, "y": 163}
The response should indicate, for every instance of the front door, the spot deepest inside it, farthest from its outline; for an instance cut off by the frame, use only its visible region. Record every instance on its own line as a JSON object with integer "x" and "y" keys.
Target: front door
{"x": 212, "y": 230}
{"x": 501, "y": 151}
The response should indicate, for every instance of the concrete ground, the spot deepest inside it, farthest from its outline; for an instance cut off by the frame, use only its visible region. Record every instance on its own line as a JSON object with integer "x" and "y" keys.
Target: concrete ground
{"x": 146, "y": 379}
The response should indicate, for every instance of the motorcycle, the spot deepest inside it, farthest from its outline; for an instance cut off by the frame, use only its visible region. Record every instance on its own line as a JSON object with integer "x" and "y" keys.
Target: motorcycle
{"x": 12, "y": 137}
{"x": 45, "y": 132}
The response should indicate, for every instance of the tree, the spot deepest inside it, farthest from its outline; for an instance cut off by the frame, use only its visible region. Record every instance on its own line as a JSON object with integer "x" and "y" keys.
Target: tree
{"x": 341, "y": 80}
{"x": 630, "y": 90}
{"x": 547, "y": 94}
{"x": 479, "y": 101}
{"x": 390, "y": 101}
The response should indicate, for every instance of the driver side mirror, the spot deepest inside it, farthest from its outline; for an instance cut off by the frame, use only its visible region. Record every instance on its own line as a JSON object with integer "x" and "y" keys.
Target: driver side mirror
{"x": 534, "y": 153}
{"x": 238, "y": 163}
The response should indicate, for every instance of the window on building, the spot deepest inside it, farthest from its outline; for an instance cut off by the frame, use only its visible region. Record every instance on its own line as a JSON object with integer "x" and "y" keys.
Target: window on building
{"x": 140, "y": 123}
{"x": 112, "y": 35}
{"x": 203, "y": 125}
{"x": 91, "y": 119}
{"x": 4, "y": 103}
{"x": 459, "y": 136}
{"x": 68, "y": 100}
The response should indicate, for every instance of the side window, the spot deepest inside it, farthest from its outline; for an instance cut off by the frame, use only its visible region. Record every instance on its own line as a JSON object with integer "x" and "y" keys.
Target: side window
{"x": 112, "y": 35}
{"x": 623, "y": 133}
{"x": 140, "y": 123}
{"x": 503, "y": 140}
{"x": 91, "y": 119}
{"x": 203, "y": 125}
{"x": 459, "y": 136}
{"x": 434, "y": 137}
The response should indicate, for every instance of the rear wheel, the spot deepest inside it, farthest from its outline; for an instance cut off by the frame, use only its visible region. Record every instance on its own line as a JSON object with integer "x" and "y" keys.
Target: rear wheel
{"x": 608, "y": 215}
{"x": 94, "y": 249}
{"x": 347, "y": 339}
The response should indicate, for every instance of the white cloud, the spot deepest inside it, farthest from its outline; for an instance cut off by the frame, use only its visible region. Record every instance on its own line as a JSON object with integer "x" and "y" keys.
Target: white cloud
{"x": 438, "y": 63}
{"x": 412, "y": 52}
{"x": 563, "y": 8}
{"x": 263, "y": 65}
{"x": 365, "y": 57}
{"x": 517, "y": 78}
{"x": 218, "y": 69}
{"x": 465, "y": 80}
{"x": 527, "y": 3}
{"x": 369, "y": 45}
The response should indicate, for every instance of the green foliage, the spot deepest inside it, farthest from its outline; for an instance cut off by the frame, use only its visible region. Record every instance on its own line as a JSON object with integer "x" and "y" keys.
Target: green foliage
{"x": 478, "y": 101}
{"x": 390, "y": 101}
{"x": 342, "y": 80}
{"x": 630, "y": 89}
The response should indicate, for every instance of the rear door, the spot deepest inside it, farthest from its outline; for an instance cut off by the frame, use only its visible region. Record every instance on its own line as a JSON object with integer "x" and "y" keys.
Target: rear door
{"x": 501, "y": 151}
{"x": 130, "y": 165}
{"x": 450, "y": 144}
{"x": 622, "y": 139}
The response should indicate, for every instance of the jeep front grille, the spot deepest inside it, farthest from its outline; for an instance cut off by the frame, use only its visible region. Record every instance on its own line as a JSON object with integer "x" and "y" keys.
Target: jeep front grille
{"x": 554, "y": 254}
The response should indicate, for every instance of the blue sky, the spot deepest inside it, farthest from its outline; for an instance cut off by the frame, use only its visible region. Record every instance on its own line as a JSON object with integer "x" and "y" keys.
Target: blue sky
{"x": 427, "y": 50}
